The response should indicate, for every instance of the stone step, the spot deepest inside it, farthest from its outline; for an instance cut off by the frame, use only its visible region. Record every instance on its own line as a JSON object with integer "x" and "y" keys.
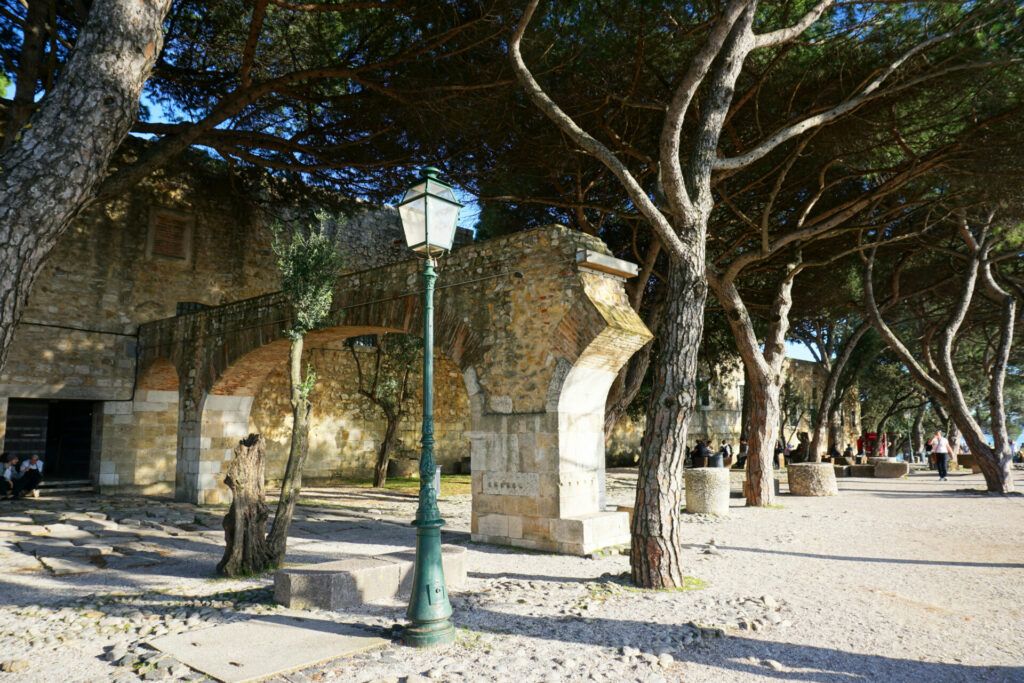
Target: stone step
{"x": 361, "y": 580}
{"x": 66, "y": 487}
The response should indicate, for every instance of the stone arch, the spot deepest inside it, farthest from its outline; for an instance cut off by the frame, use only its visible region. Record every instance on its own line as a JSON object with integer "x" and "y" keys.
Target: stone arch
{"x": 225, "y": 410}
{"x": 346, "y": 430}
{"x": 538, "y": 323}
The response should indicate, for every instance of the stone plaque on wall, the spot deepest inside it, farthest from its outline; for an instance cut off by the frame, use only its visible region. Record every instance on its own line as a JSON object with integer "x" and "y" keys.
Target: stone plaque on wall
{"x": 511, "y": 484}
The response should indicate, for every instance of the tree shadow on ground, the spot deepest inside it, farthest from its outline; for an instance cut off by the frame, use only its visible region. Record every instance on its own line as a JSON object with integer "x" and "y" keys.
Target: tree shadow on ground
{"x": 739, "y": 654}
{"x": 873, "y": 560}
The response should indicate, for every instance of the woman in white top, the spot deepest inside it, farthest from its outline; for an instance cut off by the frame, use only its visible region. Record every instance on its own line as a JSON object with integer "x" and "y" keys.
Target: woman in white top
{"x": 940, "y": 448}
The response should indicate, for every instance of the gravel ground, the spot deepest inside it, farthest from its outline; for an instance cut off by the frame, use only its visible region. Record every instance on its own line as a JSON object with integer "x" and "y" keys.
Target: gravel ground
{"x": 894, "y": 580}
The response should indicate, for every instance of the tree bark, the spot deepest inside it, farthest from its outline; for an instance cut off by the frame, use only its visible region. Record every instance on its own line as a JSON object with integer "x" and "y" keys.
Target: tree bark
{"x": 945, "y": 390}
{"x": 765, "y": 416}
{"x": 835, "y": 426}
{"x": 291, "y": 485}
{"x": 917, "y": 431}
{"x": 50, "y": 173}
{"x": 380, "y": 470}
{"x": 656, "y": 551}
{"x": 245, "y": 524}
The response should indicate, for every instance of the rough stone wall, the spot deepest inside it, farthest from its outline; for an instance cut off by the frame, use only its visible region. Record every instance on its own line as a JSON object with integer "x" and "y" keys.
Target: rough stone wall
{"x": 101, "y": 277}
{"x": 104, "y": 277}
{"x": 347, "y": 429}
{"x": 138, "y": 443}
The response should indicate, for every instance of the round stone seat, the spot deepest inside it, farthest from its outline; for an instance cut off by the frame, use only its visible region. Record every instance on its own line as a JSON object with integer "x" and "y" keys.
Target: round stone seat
{"x": 812, "y": 479}
{"x": 707, "y": 490}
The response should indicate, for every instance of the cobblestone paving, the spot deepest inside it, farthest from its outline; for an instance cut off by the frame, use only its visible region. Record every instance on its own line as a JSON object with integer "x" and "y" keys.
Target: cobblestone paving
{"x": 895, "y": 580}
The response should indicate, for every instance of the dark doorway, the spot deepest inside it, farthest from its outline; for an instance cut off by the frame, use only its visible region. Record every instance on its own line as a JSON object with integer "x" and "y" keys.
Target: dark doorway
{"x": 59, "y": 431}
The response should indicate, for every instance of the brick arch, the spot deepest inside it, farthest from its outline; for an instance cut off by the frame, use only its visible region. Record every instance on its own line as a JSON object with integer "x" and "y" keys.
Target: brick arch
{"x": 159, "y": 374}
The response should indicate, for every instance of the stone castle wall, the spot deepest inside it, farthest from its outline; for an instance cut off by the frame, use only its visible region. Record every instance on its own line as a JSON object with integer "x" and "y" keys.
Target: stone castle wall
{"x": 108, "y": 274}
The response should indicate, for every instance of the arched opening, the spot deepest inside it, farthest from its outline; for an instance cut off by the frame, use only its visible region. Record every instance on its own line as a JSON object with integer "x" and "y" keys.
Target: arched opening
{"x": 252, "y": 395}
{"x": 347, "y": 429}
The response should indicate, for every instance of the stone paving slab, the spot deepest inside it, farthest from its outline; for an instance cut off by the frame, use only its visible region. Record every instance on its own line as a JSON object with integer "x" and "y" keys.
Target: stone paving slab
{"x": 63, "y": 567}
{"x": 266, "y": 646}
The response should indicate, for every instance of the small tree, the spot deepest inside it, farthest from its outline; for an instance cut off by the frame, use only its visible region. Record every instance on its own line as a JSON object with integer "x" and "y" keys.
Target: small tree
{"x": 387, "y": 387}
{"x": 309, "y": 264}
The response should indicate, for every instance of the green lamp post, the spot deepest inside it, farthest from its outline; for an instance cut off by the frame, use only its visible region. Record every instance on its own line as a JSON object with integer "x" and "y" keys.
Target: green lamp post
{"x": 429, "y": 214}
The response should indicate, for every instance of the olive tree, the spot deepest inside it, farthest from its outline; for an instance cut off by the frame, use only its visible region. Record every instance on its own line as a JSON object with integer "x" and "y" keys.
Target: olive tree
{"x": 309, "y": 263}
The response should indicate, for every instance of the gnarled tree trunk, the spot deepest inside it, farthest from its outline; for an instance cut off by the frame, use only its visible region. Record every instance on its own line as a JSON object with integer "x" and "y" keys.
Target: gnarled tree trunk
{"x": 380, "y": 469}
{"x": 835, "y": 427}
{"x": 245, "y": 524}
{"x": 655, "y": 555}
{"x": 762, "y": 435}
{"x": 52, "y": 169}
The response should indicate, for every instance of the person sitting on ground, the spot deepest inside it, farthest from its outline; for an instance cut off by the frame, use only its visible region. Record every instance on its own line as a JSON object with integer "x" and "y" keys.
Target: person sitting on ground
{"x": 31, "y": 477}
{"x": 848, "y": 453}
{"x": 8, "y": 475}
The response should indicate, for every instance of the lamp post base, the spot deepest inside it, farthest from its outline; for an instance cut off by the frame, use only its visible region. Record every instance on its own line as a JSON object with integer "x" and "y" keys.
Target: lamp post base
{"x": 430, "y": 635}
{"x": 429, "y": 608}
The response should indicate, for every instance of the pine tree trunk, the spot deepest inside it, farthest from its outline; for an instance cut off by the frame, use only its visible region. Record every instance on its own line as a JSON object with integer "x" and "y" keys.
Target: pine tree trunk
{"x": 53, "y": 168}
{"x": 291, "y": 485}
{"x": 656, "y": 552}
{"x": 917, "y": 432}
{"x": 765, "y": 417}
{"x": 835, "y": 428}
{"x": 245, "y": 524}
{"x": 380, "y": 470}
{"x": 829, "y": 403}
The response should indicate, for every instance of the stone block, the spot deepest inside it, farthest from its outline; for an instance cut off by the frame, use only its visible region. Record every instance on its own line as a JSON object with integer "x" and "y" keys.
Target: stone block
{"x": 841, "y": 470}
{"x": 339, "y": 584}
{"x": 453, "y": 560}
{"x": 862, "y": 470}
{"x": 492, "y": 525}
{"x": 891, "y": 470}
{"x": 358, "y": 581}
{"x": 812, "y": 479}
{"x": 707, "y": 490}
{"x": 584, "y": 534}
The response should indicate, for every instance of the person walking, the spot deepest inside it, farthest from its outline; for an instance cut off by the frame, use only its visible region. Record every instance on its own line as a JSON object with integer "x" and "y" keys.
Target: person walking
{"x": 940, "y": 449}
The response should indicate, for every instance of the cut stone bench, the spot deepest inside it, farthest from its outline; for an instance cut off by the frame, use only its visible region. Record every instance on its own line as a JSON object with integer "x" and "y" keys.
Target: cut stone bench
{"x": 361, "y": 580}
{"x": 841, "y": 470}
{"x": 891, "y": 470}
{"x": 862, "y": 470}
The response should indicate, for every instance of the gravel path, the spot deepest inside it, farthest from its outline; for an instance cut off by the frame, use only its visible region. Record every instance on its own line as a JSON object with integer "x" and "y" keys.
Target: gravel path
{"x": 894, "y": 580}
